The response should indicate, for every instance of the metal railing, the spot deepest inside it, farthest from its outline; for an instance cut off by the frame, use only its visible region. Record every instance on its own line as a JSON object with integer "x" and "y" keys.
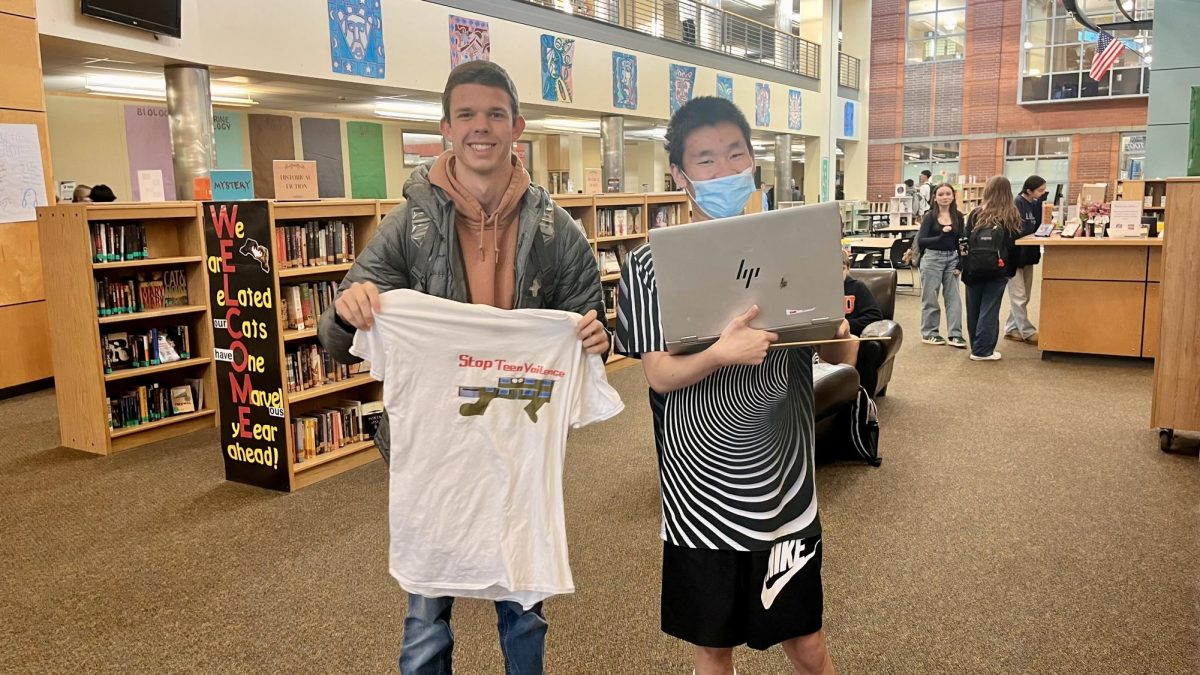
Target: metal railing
{"x": 693, "y": 23}
{"x": 848, "y": 71}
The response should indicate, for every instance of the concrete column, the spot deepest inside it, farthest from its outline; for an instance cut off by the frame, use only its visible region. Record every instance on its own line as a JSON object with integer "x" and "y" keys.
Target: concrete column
{"x": 827, "y": 167}
{"x": 856, "y": 41}
{"x": 612, "y": 151}
{"x": 189, "y": 110}
{"x": 812, "y": 169}
{"x": 783, "y": 168}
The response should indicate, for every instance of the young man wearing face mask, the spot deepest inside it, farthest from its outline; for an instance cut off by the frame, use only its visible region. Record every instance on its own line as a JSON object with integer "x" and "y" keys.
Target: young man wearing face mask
{"x": 733, "y": 426}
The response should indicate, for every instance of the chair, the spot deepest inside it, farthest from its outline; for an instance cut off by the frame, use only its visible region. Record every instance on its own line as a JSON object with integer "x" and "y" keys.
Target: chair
{"x": 875, "y": 359}
{"x": 896, "y": 259}
{"x": 867, "y": 260}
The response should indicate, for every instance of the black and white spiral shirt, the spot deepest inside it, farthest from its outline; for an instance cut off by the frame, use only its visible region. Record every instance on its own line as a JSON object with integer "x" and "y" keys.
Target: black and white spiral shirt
{"x": 735, "y": 450}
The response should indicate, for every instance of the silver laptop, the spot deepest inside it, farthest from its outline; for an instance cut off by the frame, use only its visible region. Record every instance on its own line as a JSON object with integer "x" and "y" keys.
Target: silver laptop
{"x": 788, "y": 262}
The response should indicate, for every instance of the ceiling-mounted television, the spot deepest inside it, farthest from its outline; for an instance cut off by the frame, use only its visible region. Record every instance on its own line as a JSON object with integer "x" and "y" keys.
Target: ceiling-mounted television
{"x": 157, "y": 16}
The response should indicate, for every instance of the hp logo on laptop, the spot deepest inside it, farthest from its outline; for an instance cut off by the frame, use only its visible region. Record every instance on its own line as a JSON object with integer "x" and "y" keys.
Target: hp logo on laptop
{"x": 747, "y": 273}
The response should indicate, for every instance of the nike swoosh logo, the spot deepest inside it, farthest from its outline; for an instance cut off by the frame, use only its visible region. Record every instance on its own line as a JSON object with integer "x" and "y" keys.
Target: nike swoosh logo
{"x": 772, "y": 587}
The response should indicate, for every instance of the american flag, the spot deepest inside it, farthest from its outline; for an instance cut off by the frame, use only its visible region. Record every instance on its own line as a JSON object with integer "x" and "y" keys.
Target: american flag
{"x": 1108, "y": 50}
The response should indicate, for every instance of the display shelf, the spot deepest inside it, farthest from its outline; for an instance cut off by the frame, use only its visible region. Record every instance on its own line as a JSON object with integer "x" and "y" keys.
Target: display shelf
{"x": 160, "y": 368}
{"x": 291, "y": 335}
{"x": 610, "y": 277}
{"x": 335, "y": 455}
{"x": 151, "y": 426}
{"x": 621, "y": 237}
{"x": 312, "y": 270}
{"x": 148, "y": 262}
{"x": 363, "y": 217}
{"x": 172, "y": 235}
{"x": 152, "y": 314}
{"x": 317, "y": 392}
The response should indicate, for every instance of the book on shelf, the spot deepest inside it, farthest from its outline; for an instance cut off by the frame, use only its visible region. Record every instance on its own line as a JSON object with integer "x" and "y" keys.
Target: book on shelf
{"x": 181, "y": 400}
{"x": 309, "y": 366}
{"x": 609, "y": 262}
{"x": 325, "y": 430}
{"x": 118, "y": 242}
{"x": 664, "y": 216}
{"x": 197, "y": 386}
{"x": 301, "y": 305}
{"x": 156, "y": 289}
{"x": 314, "y": 243}
{"x": 138, "y": 349}
{"x": 372, "y": 417}
{"x": 611, "y": 294}
{"x": 618, "y": 222}
{"x": 144, "y": 404}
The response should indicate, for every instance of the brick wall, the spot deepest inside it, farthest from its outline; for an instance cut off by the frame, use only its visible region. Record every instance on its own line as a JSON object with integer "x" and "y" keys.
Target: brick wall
{"x": 910, "y": 100}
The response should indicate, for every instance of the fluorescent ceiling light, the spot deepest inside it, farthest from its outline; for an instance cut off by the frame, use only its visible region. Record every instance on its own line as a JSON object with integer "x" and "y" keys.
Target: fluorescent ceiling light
{"x": 409, "y": 110}
{"x": 571, "y": 125}
{"x": 155, "y": 88}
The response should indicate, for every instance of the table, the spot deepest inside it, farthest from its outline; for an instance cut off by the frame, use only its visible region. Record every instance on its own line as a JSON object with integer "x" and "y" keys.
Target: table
{"x": 900, "y": 229}
{"x": 873, "y": 243}
{"x": 1099, "y": 296}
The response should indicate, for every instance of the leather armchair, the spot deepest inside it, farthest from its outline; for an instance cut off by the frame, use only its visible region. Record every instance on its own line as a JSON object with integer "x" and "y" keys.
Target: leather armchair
{"x": 875, "y": 359}
{"x": 835, "y": 386}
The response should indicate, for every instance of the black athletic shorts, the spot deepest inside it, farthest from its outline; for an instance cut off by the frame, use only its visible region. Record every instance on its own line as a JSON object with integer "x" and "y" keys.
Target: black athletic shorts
{"x": 721, "y": 599}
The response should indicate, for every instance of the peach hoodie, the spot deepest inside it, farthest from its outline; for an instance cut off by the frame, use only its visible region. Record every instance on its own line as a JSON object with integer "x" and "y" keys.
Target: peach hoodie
{"x": 490, "y": 261}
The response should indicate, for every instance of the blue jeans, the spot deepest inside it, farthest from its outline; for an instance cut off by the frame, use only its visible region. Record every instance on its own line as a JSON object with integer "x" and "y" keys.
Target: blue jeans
{"x": 983, "y": 314}
{"x": 937, "y": 272}
{"x": 429, "y": 641}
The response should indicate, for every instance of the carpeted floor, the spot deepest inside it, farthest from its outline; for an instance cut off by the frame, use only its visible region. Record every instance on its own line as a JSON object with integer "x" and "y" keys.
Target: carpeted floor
{"x": 1023, "y": 520}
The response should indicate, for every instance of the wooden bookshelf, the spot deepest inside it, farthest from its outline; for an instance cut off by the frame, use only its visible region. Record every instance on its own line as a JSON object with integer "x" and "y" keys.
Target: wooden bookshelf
{"x": 588, "y": 211}
{"x": 174, "y": 240}
{"x": 970, "y": 197}
{"x": 365, "y": 216}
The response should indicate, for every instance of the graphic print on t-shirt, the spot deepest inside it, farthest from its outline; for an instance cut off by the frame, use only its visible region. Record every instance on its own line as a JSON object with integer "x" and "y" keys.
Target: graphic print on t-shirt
{"x": 537, "y": 392}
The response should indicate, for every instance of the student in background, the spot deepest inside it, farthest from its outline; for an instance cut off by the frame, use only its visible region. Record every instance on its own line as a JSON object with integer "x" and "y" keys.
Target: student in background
{"x": 1029, "y": 203}
{"x": 987, "y": 264}
{"x": 925, "y": 193}
{"x": 102, "y": 193}
{"x": 938, "y": 243}
{"x": 861, "y": 309}
{"x": 82, "y": 193}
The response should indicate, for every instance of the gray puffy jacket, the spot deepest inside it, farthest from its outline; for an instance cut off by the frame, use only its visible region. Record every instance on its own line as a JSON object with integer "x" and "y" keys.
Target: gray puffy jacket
{"x": 417, "y": 247}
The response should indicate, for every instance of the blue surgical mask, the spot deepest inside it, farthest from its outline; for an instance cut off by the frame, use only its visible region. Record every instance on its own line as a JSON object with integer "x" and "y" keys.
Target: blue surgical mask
{"x": 723, "y": 197}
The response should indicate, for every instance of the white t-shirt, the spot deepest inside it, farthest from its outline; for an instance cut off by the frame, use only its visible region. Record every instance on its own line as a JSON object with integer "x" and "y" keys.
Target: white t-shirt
{"x": 479, "y": 400}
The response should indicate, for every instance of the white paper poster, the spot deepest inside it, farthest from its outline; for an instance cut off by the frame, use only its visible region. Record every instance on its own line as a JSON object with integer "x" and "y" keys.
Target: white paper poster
{"x": 1125, "y": 219}
{"x": 150, "y": 186}
{"x": 22, "y": 180}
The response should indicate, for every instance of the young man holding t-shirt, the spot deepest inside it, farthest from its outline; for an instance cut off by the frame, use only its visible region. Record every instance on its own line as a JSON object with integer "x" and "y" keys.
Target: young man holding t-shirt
{"x": 734, "y": 430}
{"x": 473, "y": 230}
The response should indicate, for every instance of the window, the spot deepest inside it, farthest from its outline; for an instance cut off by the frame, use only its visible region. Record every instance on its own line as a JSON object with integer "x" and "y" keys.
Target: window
{"x": 940, "y": 158}
{"x": 1047, "y": 156}
{"x": 937, "y": 30}
{"x": 1057, "y": 52}
{"x": 1133, "y": 155}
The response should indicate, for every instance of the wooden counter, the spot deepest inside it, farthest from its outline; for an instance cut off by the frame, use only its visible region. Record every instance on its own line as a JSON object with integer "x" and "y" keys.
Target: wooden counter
{"x": 1099, "y": 296}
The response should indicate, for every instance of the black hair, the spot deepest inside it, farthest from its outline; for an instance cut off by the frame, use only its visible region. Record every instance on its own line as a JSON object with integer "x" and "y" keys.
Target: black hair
{"x": 1032, "y": 183}
{"x": 103, "y": 193}
{"x": 908, "y": 182}
{"x": 927, "y": 173}
{"x": 705, "y": 111}
{"x": 480, "y": 72}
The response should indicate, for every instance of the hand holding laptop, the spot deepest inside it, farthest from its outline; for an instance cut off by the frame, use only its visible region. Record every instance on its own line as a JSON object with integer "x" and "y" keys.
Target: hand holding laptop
{"x": 741, "y": 345}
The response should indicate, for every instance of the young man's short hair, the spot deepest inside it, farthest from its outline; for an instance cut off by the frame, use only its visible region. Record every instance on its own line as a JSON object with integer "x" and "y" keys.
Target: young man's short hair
{"x": 705, "y": 111}
{"x": 480, "y": 72}
{"x": 927, "y": 173}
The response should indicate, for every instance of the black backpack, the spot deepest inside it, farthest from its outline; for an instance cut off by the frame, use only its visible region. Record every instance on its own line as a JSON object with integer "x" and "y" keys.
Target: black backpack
{"x": 988, "y": 253}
